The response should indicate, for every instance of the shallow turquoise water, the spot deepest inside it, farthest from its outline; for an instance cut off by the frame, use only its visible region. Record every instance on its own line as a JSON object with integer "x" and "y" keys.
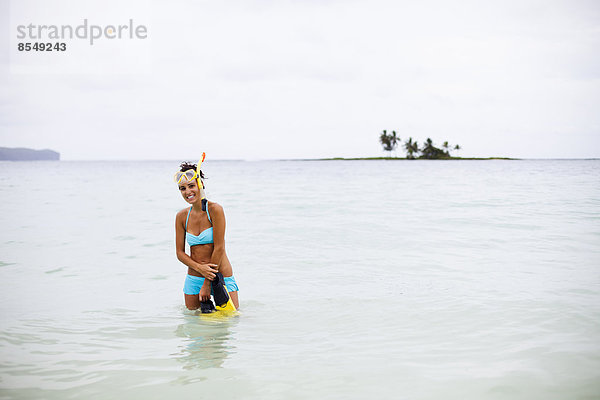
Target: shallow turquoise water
{"x": 417, "y": 280}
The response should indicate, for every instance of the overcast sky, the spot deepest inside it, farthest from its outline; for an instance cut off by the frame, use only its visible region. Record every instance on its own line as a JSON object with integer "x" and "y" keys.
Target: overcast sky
{"x": 259, "y": 79}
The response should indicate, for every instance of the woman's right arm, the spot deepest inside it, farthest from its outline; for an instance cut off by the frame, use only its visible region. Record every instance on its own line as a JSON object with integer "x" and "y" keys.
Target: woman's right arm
{"x": 206, "y": 270}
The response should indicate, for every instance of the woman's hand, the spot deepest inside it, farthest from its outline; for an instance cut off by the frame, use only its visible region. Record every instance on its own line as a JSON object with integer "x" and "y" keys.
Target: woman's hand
{"x": 204, "y": 293}
{"x": 207, "y": 270}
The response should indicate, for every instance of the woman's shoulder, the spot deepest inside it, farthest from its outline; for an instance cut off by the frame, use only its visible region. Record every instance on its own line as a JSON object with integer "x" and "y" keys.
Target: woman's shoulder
{"x": 214, "y": 208}
{"x": 182, "y": 213}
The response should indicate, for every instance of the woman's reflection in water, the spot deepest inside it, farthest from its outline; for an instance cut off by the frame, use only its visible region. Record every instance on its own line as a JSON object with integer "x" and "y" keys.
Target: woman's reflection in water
{"x": 207, "y": 345}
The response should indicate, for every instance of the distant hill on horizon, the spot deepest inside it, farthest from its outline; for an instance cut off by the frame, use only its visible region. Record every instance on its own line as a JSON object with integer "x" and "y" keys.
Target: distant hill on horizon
{"x": 25, "y": 154}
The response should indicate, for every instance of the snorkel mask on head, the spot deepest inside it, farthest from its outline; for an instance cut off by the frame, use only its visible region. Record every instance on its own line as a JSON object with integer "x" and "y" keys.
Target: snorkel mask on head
{"x": 191, "y": 174}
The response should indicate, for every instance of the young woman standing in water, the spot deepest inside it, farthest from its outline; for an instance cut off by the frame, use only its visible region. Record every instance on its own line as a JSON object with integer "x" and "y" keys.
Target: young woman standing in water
{"x": 203, "y": 226}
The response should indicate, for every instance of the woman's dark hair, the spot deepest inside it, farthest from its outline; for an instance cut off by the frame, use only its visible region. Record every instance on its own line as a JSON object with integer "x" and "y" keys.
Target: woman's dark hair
{"x": 187, "y": 166}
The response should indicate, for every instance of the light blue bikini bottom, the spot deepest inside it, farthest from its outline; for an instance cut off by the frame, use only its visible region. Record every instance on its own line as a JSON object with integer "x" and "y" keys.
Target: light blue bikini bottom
{"x": 193, "y": 284}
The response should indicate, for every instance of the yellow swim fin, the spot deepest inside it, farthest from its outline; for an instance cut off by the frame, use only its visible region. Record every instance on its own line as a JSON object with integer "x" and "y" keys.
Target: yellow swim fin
{"x": 228, "y": 307}
{"x": 222, "y": 299}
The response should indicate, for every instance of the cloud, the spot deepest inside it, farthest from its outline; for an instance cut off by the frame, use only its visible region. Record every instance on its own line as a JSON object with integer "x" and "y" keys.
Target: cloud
{"x": 265, "y": 79}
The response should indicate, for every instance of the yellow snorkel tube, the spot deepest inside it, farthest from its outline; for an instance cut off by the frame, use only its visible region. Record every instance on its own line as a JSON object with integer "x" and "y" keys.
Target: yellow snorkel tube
{"x": 200, "y": 183}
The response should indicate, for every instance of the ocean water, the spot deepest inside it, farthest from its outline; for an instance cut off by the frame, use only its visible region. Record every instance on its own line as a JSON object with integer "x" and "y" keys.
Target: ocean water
{"x": 395, "y": 279}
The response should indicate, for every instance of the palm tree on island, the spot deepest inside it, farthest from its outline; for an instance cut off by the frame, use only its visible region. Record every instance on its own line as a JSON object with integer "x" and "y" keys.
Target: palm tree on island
{"x": 430, "y": 152}
{"x": 411, "y": 148}
{"x": 389, "y": 142}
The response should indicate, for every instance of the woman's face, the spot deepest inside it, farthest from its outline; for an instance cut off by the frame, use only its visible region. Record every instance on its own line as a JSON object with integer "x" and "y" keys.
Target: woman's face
{"x": 189, "y": 191}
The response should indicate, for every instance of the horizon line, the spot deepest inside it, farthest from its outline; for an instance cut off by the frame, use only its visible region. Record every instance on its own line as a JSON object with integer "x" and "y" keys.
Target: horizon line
{"x": 312, "y": 159}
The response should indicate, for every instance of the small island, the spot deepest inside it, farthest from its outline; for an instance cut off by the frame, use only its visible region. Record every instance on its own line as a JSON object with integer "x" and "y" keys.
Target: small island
{"x": 24, "y": 154}
{"x": 427, "y": 151}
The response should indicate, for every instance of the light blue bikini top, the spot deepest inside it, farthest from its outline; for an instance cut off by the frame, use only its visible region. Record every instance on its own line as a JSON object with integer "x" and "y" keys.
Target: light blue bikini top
{"x": 206, "y": 236}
